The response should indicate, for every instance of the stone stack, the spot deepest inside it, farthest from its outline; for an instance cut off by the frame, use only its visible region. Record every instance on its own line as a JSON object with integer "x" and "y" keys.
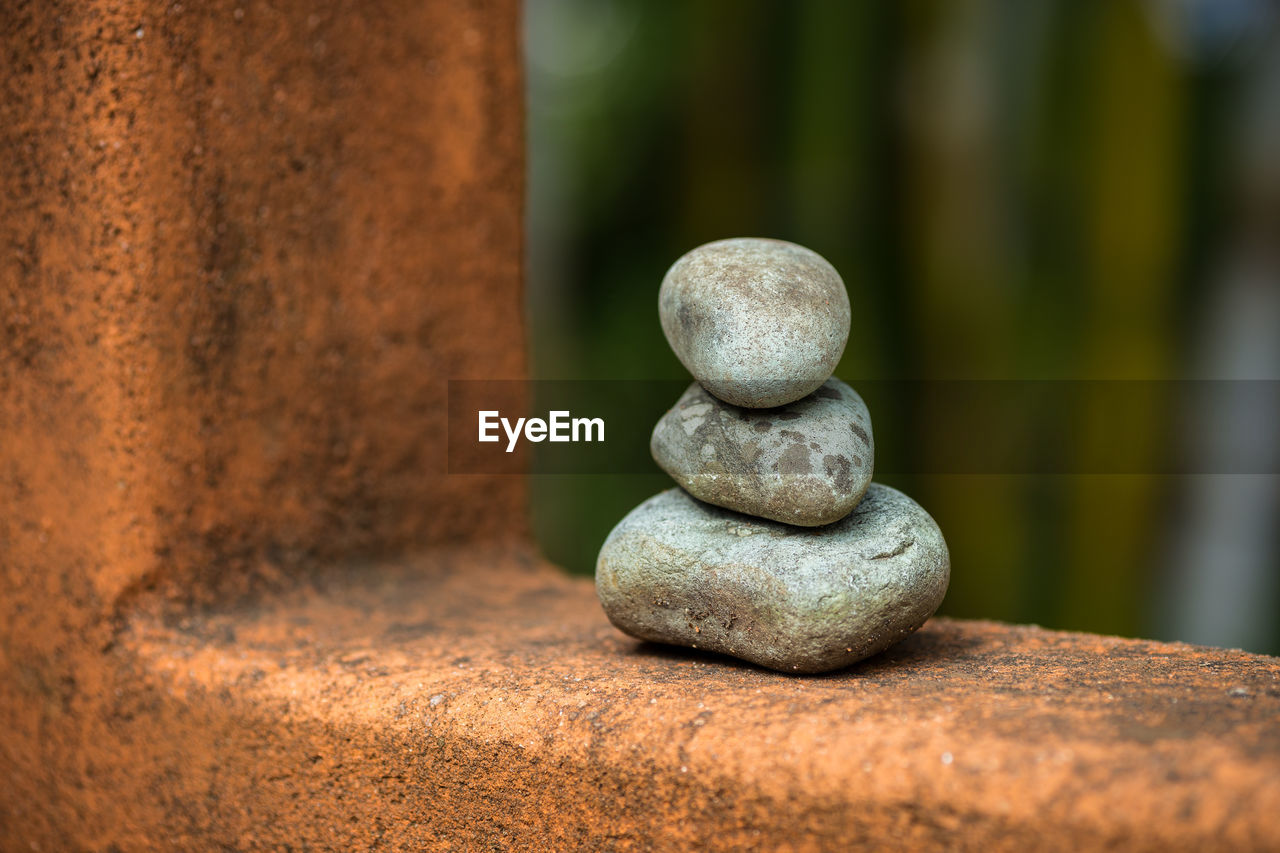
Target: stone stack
{"x": 778, "y": 548}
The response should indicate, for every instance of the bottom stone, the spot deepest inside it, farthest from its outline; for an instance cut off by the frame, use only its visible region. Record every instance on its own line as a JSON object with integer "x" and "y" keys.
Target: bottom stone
{"x": 680, "y": 571}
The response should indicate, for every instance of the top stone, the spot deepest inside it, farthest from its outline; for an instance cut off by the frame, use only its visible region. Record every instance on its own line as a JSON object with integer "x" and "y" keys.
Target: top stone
{"x": 759, "y": 323}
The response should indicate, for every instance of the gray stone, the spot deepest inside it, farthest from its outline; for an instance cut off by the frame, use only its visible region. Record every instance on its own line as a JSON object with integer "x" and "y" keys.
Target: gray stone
{"x": 680, "y": 571}
{"x": 758, "y": 322}
{"x": 806, "y": 463}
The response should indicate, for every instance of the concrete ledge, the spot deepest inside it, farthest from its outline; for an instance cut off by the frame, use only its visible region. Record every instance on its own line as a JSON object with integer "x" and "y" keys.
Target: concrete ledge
{"x": 479, "y": 701}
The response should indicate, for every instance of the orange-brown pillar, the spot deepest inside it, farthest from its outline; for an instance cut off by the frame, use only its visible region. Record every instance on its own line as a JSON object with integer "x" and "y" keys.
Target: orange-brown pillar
{"x": 243, "y": 245}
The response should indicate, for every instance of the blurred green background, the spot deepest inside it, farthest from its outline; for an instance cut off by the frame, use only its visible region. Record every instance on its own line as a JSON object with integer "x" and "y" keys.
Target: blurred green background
{"x": 1011, "y": 189}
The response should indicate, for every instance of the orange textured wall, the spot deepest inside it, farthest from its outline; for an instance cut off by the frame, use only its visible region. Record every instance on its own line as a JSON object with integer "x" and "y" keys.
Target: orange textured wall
{"x": 243, "y": 246}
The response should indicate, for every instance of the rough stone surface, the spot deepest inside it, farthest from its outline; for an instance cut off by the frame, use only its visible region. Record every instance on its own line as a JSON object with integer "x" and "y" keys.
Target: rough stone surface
{"x": 679, "y": 571}
{"x": 758, "y": 322}
{"x": 472, "y": 700}
{"x": 243, "y": 247}
{"x": 806, "y": 463}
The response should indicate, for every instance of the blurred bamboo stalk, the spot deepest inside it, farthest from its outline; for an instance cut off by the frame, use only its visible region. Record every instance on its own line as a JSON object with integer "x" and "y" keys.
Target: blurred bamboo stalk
{"x": 959, "y": 283}
{"x": 1222, "y": 581}
{"x": 1133, "y": 194}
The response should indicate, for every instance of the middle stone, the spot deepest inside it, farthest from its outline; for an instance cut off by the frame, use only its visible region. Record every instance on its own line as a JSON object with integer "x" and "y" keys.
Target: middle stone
{"x": 807, "y": 463}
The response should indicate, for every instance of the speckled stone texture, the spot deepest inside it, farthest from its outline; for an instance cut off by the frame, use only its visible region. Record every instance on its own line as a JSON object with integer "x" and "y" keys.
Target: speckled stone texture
{"x": 758, "y": 322}
{"x": 806, "y": 463}
{"x": 680, "y": 571}
{"x": 243, "y": 248}
{"x": 472, "y": 700}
